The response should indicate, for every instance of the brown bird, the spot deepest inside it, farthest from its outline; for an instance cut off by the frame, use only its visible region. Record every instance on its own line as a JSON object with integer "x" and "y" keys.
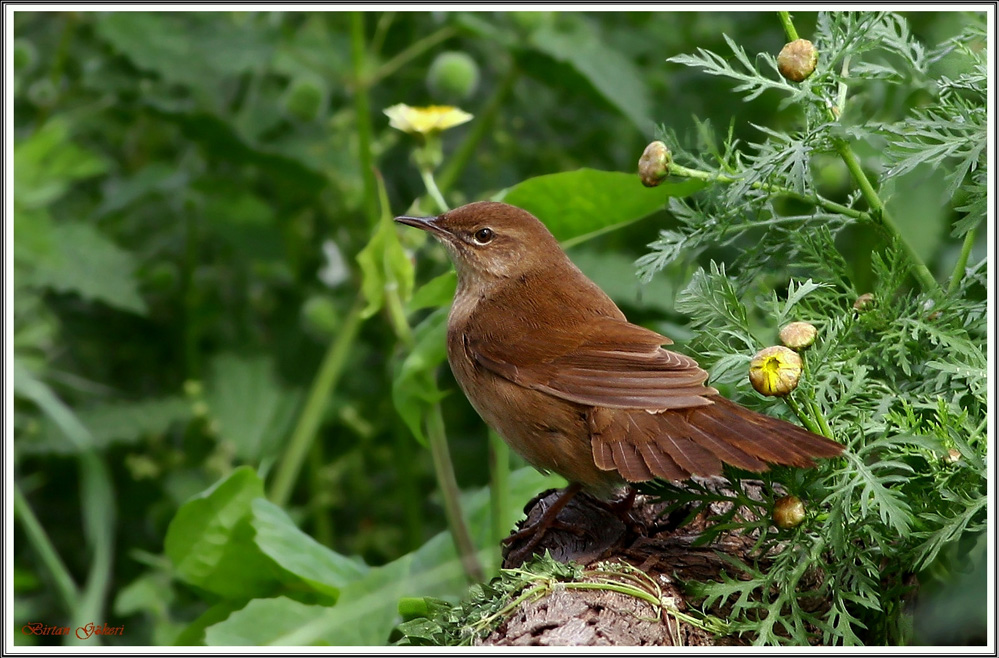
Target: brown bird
{"x": 551, "y": 363}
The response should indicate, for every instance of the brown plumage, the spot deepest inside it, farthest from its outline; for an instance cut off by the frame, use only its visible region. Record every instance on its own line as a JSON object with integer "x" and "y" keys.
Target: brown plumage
{"x": 551, "y": 363}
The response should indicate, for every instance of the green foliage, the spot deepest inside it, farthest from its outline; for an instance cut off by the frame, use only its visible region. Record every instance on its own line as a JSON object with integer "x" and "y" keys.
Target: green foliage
{"x": 194, "y": 246}
{"x": 901, "y": 381}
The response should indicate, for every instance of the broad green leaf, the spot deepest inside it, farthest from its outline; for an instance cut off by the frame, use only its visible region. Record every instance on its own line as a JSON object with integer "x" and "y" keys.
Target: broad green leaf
{"x": 414, "y": 381}
{"x": 367, "y": 609}
{"x": 615, "y": 77}
{"x": 83, "y": 261}
{"x": 252, "y": 408}
{"x": 436, "y": 292}
{"x": 614, "y": 272}
{"x": 299, "y": 554}
{"x": 582, "y": 204}
{"x": 233, "y": 542}
{"x": 210, "y": 540}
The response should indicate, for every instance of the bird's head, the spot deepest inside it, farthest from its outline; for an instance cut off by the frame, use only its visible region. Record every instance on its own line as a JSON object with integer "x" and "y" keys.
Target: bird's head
{"x": 489, "y": 241}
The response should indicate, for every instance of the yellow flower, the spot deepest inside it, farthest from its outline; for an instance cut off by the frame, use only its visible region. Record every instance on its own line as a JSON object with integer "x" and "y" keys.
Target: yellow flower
{"x": 425, "y": 120}
{"x": 775, "y": 370}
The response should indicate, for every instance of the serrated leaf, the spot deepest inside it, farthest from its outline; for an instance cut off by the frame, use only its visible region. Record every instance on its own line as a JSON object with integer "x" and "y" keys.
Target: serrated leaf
{"x": 113, "y": 423}
{"x": 582, "y": 204}
{"x": 252, "y": 408}
{"x": 83, "y": 261}
{"x": 158, "y": 41}
{"x": 46, "y": 163}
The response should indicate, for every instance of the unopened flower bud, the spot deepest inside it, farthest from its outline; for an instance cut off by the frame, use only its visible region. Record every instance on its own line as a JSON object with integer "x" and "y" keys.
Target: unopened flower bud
{"x": 798, "y": 335}
{"x": 788, "y": 512}
{"x": 653, "y": 166}
{"x": 775, "y": 370}
{"x": 863, "y": 302}
{"x": 797, "y": 60}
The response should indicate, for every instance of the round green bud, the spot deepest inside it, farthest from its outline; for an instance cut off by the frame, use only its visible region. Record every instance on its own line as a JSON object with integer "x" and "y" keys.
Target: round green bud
{"x": 788, "y": 512}
{"x": 320, "y": 315}
{"x": 797, "y": 60}
{"x": 529, "y": 21}
{"x": 25, "y": 55}
{"x": 653, "y": 166}
{"x": 453, "y": 76}
{"x": 43, "y": 92}
{"x": 798, "y": 335}
{"x": 864, "y": 302}
{"x": 304, "y": 98}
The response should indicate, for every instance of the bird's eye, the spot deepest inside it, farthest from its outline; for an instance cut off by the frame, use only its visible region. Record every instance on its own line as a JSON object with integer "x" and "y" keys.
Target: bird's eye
{"x": 483, "y": 235}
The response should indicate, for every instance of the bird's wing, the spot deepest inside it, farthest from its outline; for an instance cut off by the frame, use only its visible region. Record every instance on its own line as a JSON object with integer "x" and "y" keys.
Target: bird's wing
{"x": 607, "y": 362}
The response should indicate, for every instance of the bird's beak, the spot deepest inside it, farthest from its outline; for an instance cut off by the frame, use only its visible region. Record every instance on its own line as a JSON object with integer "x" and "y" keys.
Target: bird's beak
{"x": 428, "y": 224}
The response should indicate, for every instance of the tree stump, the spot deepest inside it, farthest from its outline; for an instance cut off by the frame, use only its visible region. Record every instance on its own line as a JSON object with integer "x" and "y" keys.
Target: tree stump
{"x": 660, "y": 545}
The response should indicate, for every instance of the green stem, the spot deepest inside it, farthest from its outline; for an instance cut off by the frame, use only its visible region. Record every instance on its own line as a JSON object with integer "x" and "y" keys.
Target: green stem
{"x": 65, "y": 587}
{"x": 962, "y": 262}
{"x": 413, "y": 51}
{"x": 381, "y": 29}
{"x": 802, "y": 416}
{"x": 312, "y": 414}
{"x": 362, "y": 108}
{"x": 499, "y": 491}
{"x": 482, "y": 125}
{"x": 785, "y": 20}
{"x": 397, "y": 313}
{"x": 881, "y": 216}
{"x": 444, "y": 469}
{"x": 428, "y": 180}
{"x": 712, "y": 176}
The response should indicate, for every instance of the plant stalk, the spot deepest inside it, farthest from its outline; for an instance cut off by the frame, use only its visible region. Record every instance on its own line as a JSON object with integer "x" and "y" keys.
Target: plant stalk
{"x": 312, "y": 414}
{"x": 711, "y": 176}
{"x": 962, "y": 261}
{"x": 785, "y": 20}
{"x": 444, "y": 468}
{"x": 362, "y": 108}
{"x": 65, "y": 587}
{"x": 499, "y": 490}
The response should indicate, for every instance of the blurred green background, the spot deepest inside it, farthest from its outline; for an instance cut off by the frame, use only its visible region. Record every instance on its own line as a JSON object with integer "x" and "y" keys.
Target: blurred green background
{"x": 190, "y": 199}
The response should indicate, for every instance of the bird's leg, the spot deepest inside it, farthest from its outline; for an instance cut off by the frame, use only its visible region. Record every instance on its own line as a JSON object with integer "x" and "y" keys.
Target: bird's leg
{"x": 547, "y": 520}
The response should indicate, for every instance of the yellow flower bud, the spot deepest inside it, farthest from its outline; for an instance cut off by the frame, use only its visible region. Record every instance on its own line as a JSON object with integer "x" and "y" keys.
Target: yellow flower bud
{"x": 653, "y": 166}
{"x": 775, "y": 370}
{"x": 798, "y": 335}
{"x": 788, "y": 512}
{"x": 797, "y": 60}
